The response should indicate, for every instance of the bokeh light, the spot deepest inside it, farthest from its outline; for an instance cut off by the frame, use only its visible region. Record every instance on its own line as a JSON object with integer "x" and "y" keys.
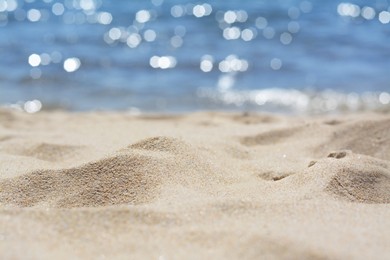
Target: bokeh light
{"x": 32, "y": 106}
{"x": 34, "y": 60}
{"x": 34, "y": 15}
{"x": 143, "y": 16}
{"x": 206, "y": 63}
{"x": 384, "y": 17}
{"x": 276, "y": 64}
{"x": 71, "y": 64}
{"x": 163, "y": 62}
{"x": 58, "y": 9}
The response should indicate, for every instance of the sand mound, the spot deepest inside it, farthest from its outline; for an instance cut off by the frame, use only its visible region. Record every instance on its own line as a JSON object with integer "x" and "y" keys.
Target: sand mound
{"x": 127, "y": 177}
{"x": 159, "y": 143}
{"x": 115, "y": 180}
{"x": 51, "y": 152}
{"x": 355, "y": 177}
{"x": 362, "y": 186}
{"x": 270, "y": 137}
{"x": 365, "y": 137}
{"x": 250, "y": 118}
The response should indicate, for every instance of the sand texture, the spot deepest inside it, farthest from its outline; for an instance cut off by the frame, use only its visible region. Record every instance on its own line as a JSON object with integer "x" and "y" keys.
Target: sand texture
{"x": 194, "y": 186}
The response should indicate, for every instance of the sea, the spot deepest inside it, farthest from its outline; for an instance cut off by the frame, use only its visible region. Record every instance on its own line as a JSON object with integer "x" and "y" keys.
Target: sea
{"x": 171, "y": 56}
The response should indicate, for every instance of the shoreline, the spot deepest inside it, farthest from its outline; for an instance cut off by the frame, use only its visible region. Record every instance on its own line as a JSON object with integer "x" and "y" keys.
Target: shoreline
{"x": 194, "y": 185}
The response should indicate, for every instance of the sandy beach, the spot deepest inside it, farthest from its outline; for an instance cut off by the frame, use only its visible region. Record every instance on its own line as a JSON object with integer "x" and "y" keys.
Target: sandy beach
{"x": 207, "y": 185}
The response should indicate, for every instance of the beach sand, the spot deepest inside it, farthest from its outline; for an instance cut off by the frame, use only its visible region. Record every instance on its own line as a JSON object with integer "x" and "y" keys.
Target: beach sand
{"x": 204, "y": 185}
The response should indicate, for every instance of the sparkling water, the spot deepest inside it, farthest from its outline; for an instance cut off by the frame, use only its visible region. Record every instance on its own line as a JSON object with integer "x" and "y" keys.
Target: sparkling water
{"x": 174, "y": 56}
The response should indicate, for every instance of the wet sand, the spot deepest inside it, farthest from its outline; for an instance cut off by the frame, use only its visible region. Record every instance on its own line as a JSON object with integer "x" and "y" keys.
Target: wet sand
{"x": 194, "y": 186}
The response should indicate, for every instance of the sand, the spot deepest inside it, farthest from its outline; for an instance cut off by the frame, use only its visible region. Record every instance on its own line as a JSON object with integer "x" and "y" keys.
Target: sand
{"x": 194, "y": 186}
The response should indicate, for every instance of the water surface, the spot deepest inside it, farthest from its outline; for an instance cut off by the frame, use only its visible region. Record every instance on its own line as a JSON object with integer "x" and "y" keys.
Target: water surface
{"x": 170, "y": 55}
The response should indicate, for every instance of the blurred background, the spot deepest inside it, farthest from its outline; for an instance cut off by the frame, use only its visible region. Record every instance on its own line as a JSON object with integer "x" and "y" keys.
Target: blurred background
{"x": 289, "y": 56}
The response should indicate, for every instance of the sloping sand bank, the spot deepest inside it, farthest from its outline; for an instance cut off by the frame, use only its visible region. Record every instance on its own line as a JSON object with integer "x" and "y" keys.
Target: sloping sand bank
{"x": 194, "y": 186}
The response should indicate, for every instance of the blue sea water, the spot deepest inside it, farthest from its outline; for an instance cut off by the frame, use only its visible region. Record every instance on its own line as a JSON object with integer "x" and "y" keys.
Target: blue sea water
{"x": 171, "y": 55}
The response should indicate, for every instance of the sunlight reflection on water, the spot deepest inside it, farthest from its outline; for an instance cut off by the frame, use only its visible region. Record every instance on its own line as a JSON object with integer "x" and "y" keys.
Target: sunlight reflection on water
{"x": 297, "y": 56}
